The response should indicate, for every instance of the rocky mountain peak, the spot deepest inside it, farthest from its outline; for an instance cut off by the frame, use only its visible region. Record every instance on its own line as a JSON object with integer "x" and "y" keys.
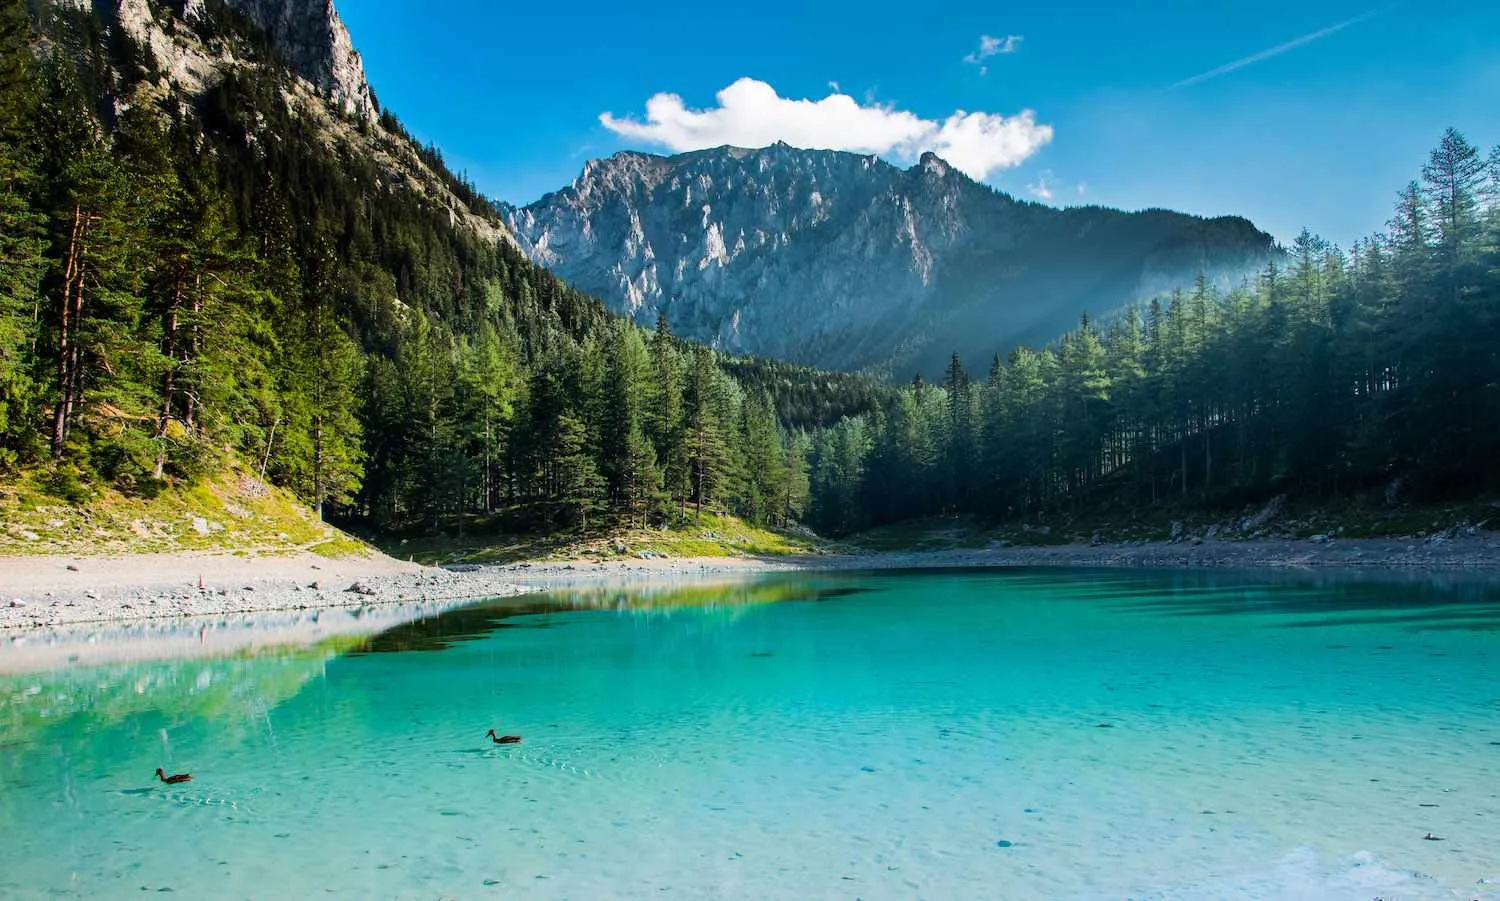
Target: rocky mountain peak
{"x": 307, "y": 34}
{"x": 312, "y": 39}
{"x": 192, "y": 46}
{"x": 932, "y": 164}
{"x": 844, "y": 261}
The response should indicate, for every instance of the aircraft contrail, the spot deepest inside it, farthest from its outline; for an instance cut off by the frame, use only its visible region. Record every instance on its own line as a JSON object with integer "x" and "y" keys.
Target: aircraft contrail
{"x": 1279, "y": 49}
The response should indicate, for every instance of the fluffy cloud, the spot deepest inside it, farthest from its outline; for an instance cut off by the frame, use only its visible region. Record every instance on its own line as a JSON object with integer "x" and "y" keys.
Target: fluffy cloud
{"x": 751, "y": 114}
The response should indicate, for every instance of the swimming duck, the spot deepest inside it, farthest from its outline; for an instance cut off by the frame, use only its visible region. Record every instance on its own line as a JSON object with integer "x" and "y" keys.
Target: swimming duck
{"x": 504, "y": 739}
{"x": 172, "y": 780}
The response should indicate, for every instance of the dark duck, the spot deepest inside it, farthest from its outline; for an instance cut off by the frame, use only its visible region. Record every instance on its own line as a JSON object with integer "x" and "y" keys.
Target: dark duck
{"x": 172, "y": 780}
{"x": 503, "y": 739}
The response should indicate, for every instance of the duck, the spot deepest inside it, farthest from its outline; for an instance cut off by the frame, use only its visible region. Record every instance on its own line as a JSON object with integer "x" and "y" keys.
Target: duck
{"x": 173, "y": 780}
{"x": 503, "y": 739}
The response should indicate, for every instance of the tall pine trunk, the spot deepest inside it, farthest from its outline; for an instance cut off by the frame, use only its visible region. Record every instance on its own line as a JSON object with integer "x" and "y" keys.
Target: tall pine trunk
{"x": 317, "y": 424}
{"x": 169, "y": 376}
{"x": 67, "y": 338}
{"x": 189, "y": 413}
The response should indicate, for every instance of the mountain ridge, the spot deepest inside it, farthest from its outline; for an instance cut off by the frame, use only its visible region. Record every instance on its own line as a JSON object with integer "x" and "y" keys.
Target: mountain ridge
{"x": 192, "y": 50}
{"x": 278, "y": 285}
{"x": 892, "y": 267}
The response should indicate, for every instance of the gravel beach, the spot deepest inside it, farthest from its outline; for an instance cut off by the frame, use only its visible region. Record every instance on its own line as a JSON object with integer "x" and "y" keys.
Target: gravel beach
{"x": 41, "y": 592}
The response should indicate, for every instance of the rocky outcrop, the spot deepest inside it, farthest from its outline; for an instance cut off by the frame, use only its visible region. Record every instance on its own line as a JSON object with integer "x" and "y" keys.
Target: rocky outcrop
{"x": 308, "y": 35}
{"x": 311, "y": 37}
{"x": 192, "y": 47}
{"x": 845, "y": 261}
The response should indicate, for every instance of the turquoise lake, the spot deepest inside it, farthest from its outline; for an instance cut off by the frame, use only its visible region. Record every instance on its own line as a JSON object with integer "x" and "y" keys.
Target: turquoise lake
{"x": 1027, "y": 734}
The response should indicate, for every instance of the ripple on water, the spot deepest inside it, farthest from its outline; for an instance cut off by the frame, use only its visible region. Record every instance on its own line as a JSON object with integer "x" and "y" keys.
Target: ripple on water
{"x": 1064, "y": 735}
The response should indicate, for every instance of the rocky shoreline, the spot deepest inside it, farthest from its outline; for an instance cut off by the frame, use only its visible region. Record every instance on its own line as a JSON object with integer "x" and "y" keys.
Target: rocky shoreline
{"x": 43, "y": 592}
{"x": 38, "y": 592}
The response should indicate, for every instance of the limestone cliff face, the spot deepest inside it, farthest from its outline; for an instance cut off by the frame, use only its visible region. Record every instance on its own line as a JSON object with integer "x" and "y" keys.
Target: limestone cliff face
{"x": 312, "y": 39}
{"x": 307, "y": 34}
{"x": 193, "y": 47}
{"x": 844, "y": 261}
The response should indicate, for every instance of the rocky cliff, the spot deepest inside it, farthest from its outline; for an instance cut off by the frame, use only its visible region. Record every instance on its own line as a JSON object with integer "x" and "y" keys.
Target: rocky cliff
{"x": 845, "y": 261}
{"x": 311, "y": 38}
{"x": 307, "y": 35}
{"x": 192, "y": 46}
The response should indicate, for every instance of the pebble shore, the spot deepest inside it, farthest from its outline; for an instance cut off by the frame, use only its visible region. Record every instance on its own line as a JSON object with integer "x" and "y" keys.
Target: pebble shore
{"x": 38, "y": 593}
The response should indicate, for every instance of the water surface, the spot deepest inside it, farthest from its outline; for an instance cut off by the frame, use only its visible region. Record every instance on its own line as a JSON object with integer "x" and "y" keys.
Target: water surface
{"x": 993, "y": 734}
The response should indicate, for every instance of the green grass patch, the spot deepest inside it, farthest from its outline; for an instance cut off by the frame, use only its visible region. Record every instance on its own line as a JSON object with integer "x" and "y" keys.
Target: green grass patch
{"x": 712, "y": 535}
{"x": 232, "y": 511}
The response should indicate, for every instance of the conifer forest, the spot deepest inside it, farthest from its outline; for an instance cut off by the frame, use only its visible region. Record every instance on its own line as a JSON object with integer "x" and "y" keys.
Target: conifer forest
{"x": 181, "y": 287}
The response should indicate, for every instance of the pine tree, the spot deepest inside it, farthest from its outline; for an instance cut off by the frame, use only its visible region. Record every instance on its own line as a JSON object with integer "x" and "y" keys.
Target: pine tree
{"x": 628, "y": 457}
{"x": 208, "y": 313}
{"x": 101, "y": 358}
{"x": 766, "y": 494}
{"x": 1085, "y": 394}
{"x": 792, "y": 503}
{"x": 708, "y": 459}
{"x": 22, "y": 261}
{"x": 961, "y": 451}
{"x": 489, "y": 381}
{"x": 664, "y": 420}
{"x": 321, "y": 454}
{"x": 1125, "y": 369}
{"x": 1455, "y": 177}
{"x": 579, "y": 488}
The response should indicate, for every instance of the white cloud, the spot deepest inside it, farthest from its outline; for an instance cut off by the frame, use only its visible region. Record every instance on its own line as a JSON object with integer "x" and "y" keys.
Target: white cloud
{"x": 992, "y": 46}
{"x": 1083, "y": 188}
{"x": 1041, "y": 190}
{"x": 751, "y": 114}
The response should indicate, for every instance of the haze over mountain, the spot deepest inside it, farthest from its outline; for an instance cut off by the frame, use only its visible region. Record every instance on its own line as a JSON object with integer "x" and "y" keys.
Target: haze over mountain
{"x": 845, "y": 261}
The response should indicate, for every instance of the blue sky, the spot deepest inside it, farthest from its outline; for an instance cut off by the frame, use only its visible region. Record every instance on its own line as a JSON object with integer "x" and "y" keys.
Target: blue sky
{"x": 1184, "y": 105}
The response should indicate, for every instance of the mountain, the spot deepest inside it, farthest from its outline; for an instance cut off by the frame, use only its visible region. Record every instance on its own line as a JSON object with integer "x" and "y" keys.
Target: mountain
{"x": 307, "y": 35}
{"x": 844, "y": 261}
{"x": 219, "y": 256}
{"x": 184, "y": 56}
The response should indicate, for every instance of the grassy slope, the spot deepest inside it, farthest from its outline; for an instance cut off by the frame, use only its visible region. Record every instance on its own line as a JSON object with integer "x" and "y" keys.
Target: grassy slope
{"x": 232, "y": 512}
{"x": 235, "y": 513}
{"x": 714, "y": 535}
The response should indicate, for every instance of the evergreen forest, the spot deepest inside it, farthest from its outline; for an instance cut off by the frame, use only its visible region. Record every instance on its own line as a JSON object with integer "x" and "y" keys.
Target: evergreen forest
{"x": 182, "y": 287}
{"x": 1333, "y": 374}
{"x": 184, "y": 284}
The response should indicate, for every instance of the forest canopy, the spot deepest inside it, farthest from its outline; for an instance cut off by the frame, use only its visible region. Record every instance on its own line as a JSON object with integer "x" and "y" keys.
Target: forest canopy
{"x": 1336, "y": 373}
{"x": 189, "y": 281}
{"x": 185, "y": 282}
